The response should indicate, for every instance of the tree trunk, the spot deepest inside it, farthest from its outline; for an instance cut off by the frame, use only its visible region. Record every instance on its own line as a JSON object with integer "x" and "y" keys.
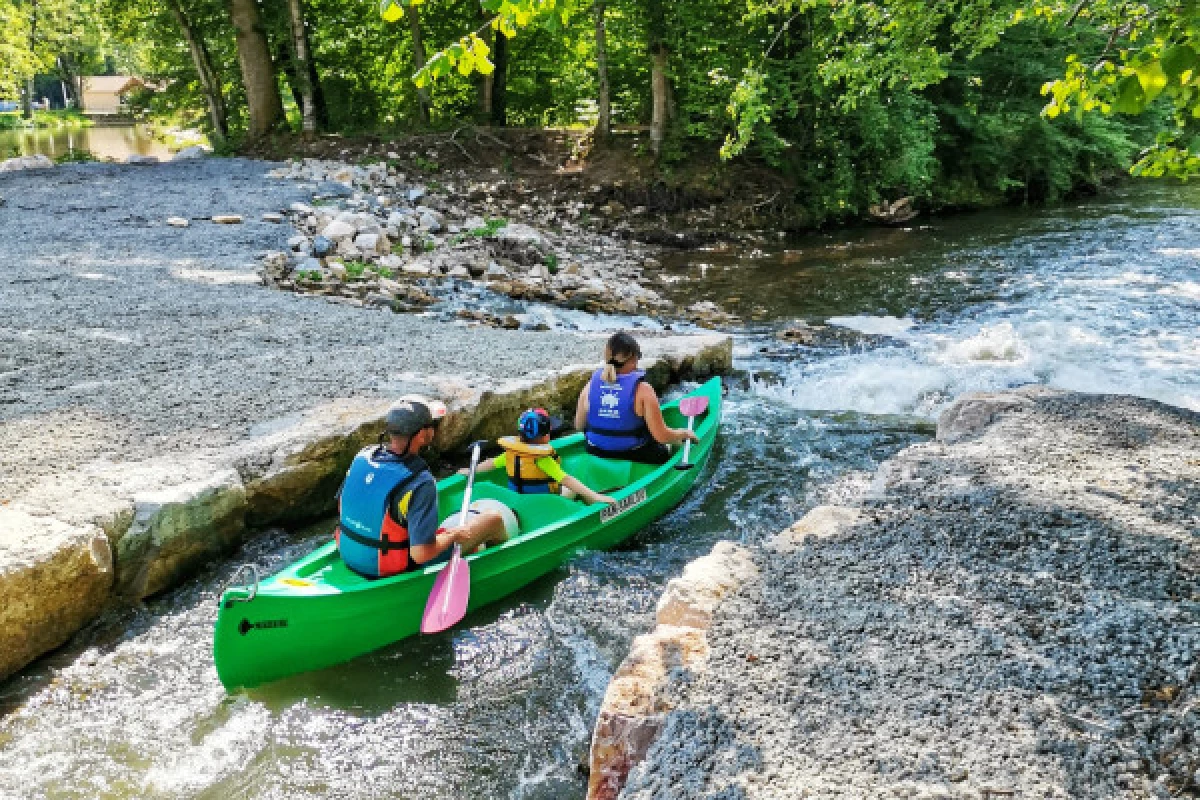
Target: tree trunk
{"x": 27, "y": 97}
{"x": 318, "y": 95}
{"x": 263, "y": 104}
{"x": 499, "y": 115}
{"x": 659, "y": 93}
{"x": 485, "y": 81}
{"x": 418, "y": 47}
{"x": 304, "y": 69}
{"x": 209, "y": 83}
{"x": 660, "y": 90}
{"x": 603, "y": 104}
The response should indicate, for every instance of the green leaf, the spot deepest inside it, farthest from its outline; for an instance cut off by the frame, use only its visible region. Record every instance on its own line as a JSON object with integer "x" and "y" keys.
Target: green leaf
{"x": 1177, "y": 60}
{"x": 1153, "y": 80}
{"x": 1131, "y": 98}
{"x": 390, "y": 10}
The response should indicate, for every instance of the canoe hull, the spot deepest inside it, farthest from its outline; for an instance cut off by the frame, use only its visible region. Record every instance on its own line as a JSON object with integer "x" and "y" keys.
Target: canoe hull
{"x": 301, "y": 619}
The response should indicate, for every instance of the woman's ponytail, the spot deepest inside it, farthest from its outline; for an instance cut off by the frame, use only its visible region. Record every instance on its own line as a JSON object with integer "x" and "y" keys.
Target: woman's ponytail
{"x": 619, "y": 348}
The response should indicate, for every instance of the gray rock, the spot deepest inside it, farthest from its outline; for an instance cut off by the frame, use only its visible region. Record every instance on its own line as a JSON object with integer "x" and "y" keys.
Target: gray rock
{"x": 339, "y": 231}
{"x": 195, "y": 151}
{"x": 26, "y": 162}
{"x": 141, "y": 161}
{"x": 431, "y": 221}
{"x": 368, "y": 242}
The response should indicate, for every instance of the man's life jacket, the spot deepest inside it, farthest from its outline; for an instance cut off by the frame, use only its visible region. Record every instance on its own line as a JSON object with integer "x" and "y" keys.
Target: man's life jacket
{"x": 612, "y": 423}
{"x": 520, "y": 462}
{"x": 370, "y": 541}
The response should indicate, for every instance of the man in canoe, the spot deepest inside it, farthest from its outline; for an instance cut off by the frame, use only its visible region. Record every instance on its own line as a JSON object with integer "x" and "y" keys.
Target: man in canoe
{"x": 620, "y": 411}
{"x": 388, "y": 502}
{"x": 532, "y": 465}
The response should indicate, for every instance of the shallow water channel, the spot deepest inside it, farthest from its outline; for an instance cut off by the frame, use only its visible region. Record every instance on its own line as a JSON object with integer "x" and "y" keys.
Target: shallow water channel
{"x": 1102, "y": 296}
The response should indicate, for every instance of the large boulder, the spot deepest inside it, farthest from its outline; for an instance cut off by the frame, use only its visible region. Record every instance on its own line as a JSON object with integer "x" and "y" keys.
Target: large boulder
{"x": 54, "y": 578}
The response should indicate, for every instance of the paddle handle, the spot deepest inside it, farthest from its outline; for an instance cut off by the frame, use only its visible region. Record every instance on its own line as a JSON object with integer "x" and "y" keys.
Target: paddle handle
{"x": 687, "y": 447}
{"x": 462, "y": 518}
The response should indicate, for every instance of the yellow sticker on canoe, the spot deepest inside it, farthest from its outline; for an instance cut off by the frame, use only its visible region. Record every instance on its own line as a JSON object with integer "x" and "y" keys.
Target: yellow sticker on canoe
{"x": 296, "y": 582}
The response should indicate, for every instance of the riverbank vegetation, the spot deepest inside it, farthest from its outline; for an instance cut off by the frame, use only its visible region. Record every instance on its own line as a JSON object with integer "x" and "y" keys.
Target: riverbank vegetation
{"x": 845, "y": 105}
{"x": 62, "y": 118}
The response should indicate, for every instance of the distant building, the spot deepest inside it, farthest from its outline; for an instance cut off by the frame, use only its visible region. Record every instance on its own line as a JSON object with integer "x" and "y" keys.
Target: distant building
{"x": 105, "y": 94}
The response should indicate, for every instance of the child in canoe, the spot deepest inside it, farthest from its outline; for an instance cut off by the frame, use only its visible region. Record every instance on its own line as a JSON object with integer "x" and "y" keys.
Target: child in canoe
{"x": 532, "y": 465}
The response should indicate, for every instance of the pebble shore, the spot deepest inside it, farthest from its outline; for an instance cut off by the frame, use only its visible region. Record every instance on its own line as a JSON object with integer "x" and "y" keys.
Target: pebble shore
{"x": 1013, "y": 611}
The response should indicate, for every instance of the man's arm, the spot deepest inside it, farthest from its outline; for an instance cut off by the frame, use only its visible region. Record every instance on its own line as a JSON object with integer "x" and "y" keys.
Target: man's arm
{"x": 424, "y": 542}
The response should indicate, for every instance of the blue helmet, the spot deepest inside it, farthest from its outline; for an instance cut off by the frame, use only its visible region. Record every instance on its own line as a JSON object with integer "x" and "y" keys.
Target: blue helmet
{"x": 534, "y": 423}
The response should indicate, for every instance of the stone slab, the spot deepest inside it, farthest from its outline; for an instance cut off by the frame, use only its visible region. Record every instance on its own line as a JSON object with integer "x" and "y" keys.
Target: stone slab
{"x": 54, "y": 577}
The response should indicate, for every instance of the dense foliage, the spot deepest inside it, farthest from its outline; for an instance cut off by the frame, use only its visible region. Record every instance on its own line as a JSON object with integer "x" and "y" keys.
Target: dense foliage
{"x": 955, "y": 103}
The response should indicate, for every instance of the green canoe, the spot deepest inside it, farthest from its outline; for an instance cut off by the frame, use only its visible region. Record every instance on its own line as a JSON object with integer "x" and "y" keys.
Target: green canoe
{"x": 317, "y": 613}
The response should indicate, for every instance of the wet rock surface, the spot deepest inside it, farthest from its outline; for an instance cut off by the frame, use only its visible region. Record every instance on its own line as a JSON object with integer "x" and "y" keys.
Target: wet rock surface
{"x": 1014, "y": 611}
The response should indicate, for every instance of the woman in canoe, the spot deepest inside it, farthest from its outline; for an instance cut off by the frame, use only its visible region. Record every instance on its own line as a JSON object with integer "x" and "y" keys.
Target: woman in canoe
{"x": 620, "y": 411}
{"x": 533, "y": 466}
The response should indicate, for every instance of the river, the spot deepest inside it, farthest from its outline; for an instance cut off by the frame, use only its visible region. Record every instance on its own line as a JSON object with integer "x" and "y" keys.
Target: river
{"x": 109, "y": 143}
{"x": 1099, "y": 296}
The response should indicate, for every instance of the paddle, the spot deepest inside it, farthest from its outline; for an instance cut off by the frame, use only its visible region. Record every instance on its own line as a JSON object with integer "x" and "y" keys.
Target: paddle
{"x": 690, "y": 407}
{"x": 447, "y": 603}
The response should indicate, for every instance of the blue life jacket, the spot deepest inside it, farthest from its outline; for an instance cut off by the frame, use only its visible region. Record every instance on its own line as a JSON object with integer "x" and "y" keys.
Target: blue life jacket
{"x": 612, "y": 423}
{"x": 370, "y": 541}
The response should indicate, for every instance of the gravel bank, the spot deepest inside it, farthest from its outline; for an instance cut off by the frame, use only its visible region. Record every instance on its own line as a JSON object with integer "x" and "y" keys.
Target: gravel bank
{"x": 1014, "y": 612}
{"x": 122, "y": 336}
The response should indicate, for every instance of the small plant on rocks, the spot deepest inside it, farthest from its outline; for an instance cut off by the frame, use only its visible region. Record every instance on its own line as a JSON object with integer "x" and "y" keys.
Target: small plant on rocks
{"x": 75, "y": 157}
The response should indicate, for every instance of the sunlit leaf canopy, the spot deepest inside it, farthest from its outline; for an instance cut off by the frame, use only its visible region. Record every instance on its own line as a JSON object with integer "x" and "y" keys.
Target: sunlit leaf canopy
{"x": 864, "y": 48}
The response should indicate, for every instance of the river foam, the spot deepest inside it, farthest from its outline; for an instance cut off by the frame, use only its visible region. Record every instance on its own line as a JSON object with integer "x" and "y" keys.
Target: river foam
{"x": 1102, "y": 311}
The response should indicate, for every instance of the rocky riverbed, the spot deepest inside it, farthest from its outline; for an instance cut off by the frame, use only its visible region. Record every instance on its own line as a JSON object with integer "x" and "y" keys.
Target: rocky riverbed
{"x": 374, "y": 235}
{"x": 1013, "y": 611}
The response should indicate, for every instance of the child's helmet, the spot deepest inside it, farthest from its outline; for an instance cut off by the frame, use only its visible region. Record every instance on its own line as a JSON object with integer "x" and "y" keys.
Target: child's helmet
{"x": 534, "y": 423}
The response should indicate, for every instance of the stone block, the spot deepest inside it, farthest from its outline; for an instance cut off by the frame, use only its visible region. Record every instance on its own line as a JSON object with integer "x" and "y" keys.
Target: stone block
{"x": 54, "y": 578}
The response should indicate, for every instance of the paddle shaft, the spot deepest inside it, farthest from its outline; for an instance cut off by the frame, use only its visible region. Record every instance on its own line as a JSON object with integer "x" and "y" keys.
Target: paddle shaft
{"x": 456, "y": 557}
{"x": 687, "y": 447}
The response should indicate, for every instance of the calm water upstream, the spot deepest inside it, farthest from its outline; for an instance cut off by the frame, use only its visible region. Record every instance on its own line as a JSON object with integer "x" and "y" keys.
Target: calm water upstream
{"x": 115, "y": 143}
{"x": 1102, "y": 297}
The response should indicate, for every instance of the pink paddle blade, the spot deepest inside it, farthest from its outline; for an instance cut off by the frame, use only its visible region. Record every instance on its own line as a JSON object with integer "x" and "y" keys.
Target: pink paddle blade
{"x": 693, "y": 406}
{"x": 447, "y": 603}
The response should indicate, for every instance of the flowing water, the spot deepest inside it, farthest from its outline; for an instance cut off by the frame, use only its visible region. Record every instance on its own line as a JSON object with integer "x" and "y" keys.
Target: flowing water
{"x": 1103, "y": 296}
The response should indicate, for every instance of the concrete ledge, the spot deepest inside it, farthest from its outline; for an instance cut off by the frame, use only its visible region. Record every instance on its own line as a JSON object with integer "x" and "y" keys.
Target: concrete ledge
{"x": 162, "y": 518}
{"x": 638, "y": 696}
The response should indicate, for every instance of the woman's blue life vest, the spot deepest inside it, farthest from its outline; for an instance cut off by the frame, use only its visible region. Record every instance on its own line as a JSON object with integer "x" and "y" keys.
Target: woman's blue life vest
{"x": 370, "y": 541}
{"x": 612, "y": 422}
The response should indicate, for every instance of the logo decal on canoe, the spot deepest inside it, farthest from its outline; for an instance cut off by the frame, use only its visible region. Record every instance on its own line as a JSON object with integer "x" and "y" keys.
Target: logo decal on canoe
{"x": 246, "y": 625}
{"x": 610, "y": 513}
